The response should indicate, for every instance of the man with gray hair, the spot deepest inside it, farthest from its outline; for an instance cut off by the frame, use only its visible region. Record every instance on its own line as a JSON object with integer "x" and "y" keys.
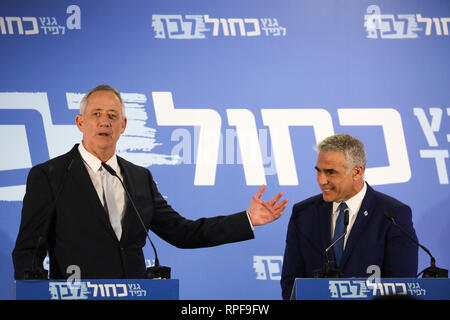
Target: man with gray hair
{"x": 82, "y": 216}
{"x": 350, "y": 214}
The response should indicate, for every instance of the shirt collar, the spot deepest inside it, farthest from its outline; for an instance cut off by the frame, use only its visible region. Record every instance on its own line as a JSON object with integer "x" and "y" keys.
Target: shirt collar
{"x": 95, "y": 163}
{"x": 354, "y": 203}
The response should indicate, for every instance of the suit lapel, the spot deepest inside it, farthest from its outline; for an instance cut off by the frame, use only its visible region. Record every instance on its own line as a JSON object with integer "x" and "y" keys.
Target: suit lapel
{"x": 325, "y": 223}
{"x": 365, "y": 213}
{"x": 87, "y": 191}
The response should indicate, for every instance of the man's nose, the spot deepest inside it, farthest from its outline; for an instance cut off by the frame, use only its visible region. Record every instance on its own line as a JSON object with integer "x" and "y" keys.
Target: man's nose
{"x": 321, "y": 178}
{"x": 104, "y": 120}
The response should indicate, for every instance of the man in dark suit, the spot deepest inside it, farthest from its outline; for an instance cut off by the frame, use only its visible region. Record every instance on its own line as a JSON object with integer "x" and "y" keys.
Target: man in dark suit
{"x": 79, "y": 213}
{"x": 370, "y": 240}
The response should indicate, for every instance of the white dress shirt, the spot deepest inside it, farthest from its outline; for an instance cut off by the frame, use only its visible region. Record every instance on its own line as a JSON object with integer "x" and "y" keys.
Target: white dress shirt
{"x": 353, "y": 204}
{"x": 93, "y": 165}
{"x": 95, "y": 170}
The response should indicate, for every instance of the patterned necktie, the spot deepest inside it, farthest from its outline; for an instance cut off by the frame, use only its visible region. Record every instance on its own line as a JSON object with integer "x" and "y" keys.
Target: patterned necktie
{"x": 339, "y": 229}
{"x": 111, "y": 204}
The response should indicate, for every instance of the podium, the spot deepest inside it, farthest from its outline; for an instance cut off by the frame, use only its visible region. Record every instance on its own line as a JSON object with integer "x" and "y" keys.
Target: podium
{"x": 371, "y": 289}
{"x": 104, "y": 289}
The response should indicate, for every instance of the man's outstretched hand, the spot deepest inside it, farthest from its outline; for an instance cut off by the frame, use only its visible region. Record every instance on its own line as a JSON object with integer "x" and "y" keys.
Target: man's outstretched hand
{"x": 262, "y": 212}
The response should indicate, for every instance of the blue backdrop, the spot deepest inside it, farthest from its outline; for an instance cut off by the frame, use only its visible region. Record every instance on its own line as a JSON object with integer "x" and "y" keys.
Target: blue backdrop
{"x": 223, "y": 96}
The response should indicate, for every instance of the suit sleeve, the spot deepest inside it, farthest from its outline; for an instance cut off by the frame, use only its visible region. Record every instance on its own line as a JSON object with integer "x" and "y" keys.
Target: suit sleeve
{"x": 203, "y": 232}
{"x": 31, "y": 244}
{"x": 401, "y": 254}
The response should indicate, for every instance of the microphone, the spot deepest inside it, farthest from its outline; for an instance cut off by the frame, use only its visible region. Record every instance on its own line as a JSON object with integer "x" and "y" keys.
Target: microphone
{"x": 432, "y": 271}
{"x": 157, "y": 271}
{"x": 326, "y": 271}
{"x": 38, "y": 272}
{"x": 346, "y": 218}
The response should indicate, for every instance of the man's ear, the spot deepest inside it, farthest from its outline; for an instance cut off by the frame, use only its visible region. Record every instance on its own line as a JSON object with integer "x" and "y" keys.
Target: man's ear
{"x": 79, "y": 120}
{"x": 358, "y": 172}
{"x": 124, "y": 125}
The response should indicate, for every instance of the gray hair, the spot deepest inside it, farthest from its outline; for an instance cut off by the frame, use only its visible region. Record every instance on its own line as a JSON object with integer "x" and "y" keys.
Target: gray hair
{"x": 102, "y": 87}
{"x": 351, "y": 147}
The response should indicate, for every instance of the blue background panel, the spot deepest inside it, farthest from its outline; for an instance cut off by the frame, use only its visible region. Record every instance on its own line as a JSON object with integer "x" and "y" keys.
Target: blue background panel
{"x": 308, "y": 55}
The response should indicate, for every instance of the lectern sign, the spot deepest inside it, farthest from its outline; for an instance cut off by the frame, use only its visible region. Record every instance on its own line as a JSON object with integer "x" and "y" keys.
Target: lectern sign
{"x": 364, "y": 289}
{"x": 111, "y": 289}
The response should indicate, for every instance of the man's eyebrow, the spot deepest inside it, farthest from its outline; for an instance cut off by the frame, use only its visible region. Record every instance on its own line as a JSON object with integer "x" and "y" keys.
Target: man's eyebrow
{"x": 108, "y": 110}
{"x": 324, "y": 170}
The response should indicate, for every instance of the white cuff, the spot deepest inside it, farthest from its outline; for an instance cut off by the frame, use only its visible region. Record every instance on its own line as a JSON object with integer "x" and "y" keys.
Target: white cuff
{"x": 250, "y": 220}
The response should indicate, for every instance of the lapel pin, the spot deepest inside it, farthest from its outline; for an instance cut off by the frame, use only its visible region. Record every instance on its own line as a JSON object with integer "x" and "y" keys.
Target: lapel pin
{"x": 365, "y": 213}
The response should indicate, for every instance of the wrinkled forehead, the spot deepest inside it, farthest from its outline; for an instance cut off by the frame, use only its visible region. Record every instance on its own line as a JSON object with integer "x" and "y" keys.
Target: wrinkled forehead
{"x": 331, "y": 160}
{"x": 104, "y": 100}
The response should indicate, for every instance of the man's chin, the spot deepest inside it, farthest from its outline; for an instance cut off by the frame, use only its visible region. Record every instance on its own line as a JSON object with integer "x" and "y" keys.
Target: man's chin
{"x": 104, "y": 142}
{"x": 101, "y": 147}
{"x": 327, "y": 197}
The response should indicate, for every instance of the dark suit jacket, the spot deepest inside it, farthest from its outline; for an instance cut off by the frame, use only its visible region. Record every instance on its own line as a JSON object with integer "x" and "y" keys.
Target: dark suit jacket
{"x": 373, "y": 240}
{"x": 79, "y": 231}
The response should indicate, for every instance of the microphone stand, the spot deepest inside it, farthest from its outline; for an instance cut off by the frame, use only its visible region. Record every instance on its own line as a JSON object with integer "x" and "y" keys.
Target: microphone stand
{"x": 38, "y": 272}
{"x": 327, "y": 271}
{"x": 157, "y": 271}
{"x": 432, "y": 271}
